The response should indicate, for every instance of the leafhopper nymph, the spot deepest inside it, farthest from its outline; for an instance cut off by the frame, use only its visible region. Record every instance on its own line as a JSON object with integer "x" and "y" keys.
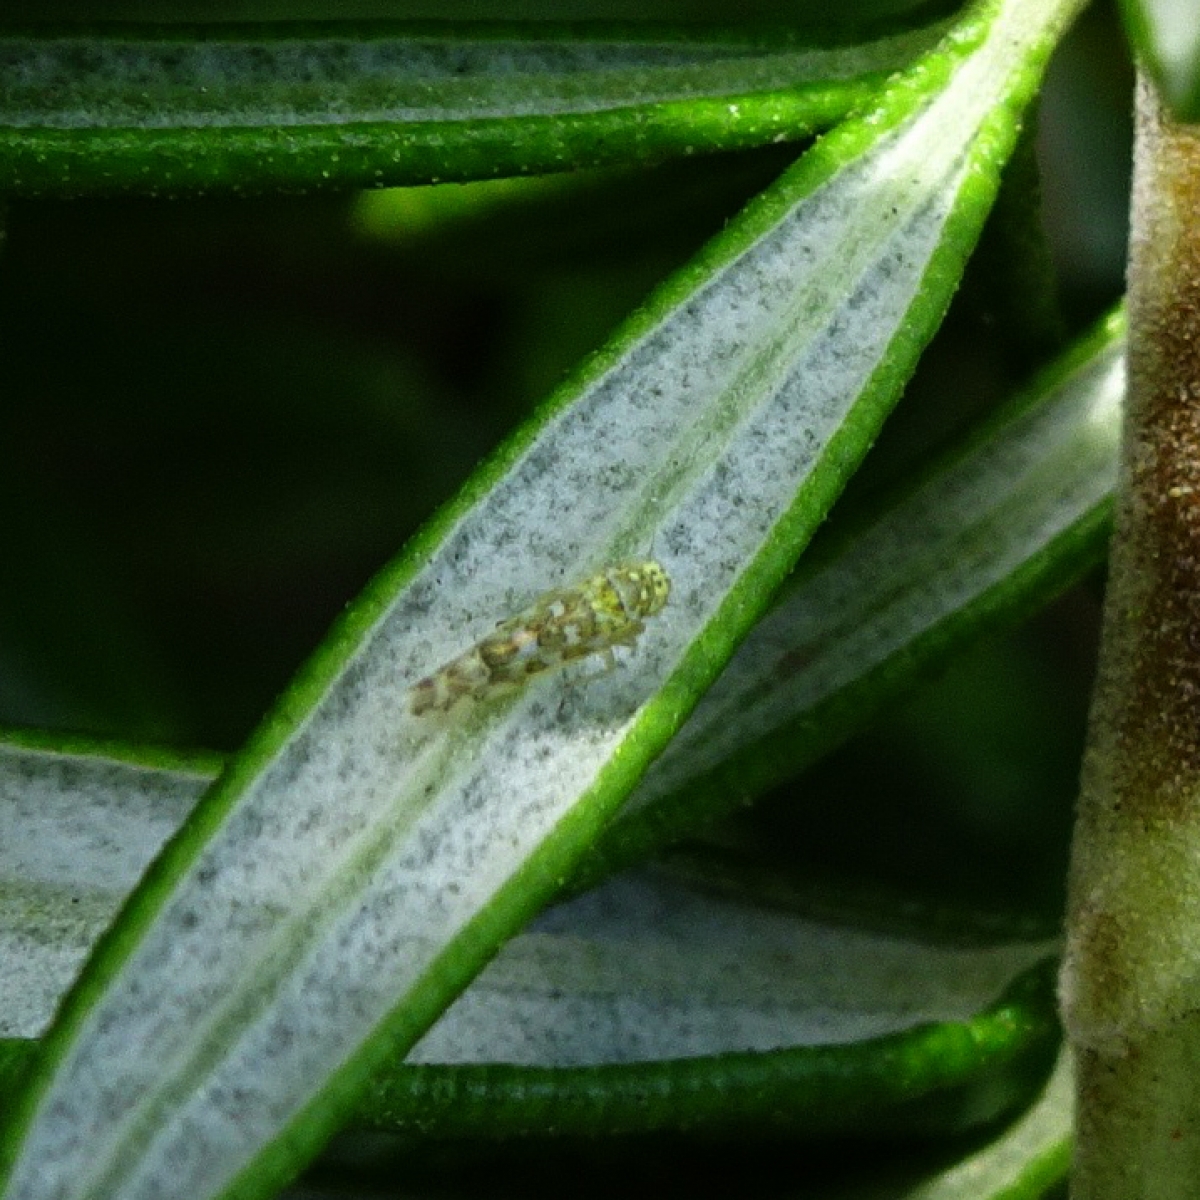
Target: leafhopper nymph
{"x": 596, "y": 616}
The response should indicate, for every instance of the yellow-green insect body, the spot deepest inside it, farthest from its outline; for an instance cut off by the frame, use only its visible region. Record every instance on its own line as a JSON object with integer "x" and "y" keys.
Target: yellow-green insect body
{"x": 601, "y": 613}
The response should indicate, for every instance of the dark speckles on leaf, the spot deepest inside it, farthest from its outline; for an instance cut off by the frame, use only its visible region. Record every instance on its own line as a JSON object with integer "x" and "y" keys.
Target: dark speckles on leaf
{"x": 252, "y": 824}
{"x": 283, "y": 1037}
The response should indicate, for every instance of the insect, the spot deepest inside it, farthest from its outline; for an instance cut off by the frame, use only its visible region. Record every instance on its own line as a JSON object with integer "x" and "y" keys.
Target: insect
{"x": 594, "y": 617}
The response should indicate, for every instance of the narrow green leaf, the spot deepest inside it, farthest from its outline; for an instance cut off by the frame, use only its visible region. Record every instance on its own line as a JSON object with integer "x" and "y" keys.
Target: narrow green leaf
{"x": 945, "y": 1074}
{"x": 245, "y": 108}
{"x": 78, "y": 828}
{"x": 706, "y": 1012}
{"x": 357, "y": 863}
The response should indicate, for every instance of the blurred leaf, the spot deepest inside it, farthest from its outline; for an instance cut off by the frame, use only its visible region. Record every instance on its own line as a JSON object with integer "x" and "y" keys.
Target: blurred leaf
{"x": 1166, "y": 40}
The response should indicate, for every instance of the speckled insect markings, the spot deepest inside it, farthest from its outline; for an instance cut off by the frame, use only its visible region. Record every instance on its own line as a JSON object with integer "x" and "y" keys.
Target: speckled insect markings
{"x": 601, "y": 613}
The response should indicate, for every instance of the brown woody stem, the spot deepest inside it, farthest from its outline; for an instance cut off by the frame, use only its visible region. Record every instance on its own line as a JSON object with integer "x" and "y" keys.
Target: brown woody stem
{"x": 1131, "y": 980}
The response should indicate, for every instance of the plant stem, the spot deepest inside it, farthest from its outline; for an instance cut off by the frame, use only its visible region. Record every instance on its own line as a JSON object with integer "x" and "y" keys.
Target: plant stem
{"x": 1131, "y": 980}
